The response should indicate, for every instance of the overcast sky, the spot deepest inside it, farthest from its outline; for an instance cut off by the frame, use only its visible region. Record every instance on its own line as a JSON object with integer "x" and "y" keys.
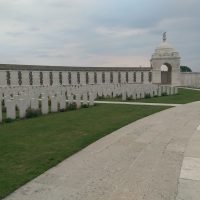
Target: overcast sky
{"x": 97, "y": 32}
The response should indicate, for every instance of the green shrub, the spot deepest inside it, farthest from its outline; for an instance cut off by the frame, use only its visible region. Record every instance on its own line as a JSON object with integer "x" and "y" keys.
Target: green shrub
{"x": 72, "y": 106}
{"x": 63, "y": 110}
{"x": 147, "y": 96}
{"x": 118, "y": 96}
{"x": 85, "y": 106}
{"x": 129, "y": 98}
{"x": 30, "y": 113}
{"x": 164, "y": 94}
{"x": 100, "y": 97}
{"x": 8, "y": 120}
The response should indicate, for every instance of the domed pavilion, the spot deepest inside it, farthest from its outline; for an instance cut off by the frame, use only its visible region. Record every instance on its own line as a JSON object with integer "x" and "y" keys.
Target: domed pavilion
{"x": 165, "y": 63}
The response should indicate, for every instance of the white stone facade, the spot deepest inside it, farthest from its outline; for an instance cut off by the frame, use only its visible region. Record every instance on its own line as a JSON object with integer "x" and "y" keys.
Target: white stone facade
{"x": 18, "y": 75}
{"x": 165, "y": 54}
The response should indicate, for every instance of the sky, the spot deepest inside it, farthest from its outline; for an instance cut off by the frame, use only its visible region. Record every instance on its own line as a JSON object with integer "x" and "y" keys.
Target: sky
{"x": 104, "y": 33}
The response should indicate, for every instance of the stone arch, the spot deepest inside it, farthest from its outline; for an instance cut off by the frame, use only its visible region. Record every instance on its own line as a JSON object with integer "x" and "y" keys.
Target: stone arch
{"x": 166, "y": 74}
{"x": 166, "y": 55}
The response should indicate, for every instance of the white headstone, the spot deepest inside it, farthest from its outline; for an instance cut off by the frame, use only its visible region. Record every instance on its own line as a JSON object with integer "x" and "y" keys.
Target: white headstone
{"x": 62, "y": 102}
{"x": 78, "y": 101}
{"x": 85, "y": 99}
{"x": 10, "y": 109}
{"x": 91, "y": 99}
{"x": 54, "y": 104}
{"x": 45, "y": 106}
{"x": 34, "y": 104}
{"x": 22, "y": 108}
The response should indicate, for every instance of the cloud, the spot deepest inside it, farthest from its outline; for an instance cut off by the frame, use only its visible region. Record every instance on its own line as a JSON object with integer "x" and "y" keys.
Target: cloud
{"x": 96, "y": 33}
{"x": 119, "y": 32}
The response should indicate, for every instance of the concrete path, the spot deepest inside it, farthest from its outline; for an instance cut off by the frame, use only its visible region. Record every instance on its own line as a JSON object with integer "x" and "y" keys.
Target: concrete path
{"x": 138, "y": 103}
{"x": 142, "y": 161}
{"x": 188, "y": 88}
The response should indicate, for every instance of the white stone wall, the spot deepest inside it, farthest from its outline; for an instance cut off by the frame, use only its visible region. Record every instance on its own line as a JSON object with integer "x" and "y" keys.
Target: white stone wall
{"x": 99, "y": 77}
{"x": 123, "y": 77}
{"x": 74, "y": 78}
{"x": 91, "y": 77}
{"x": 82, "y": 78}
{"x": 190, "y": 79}
{"x": 14, "y": 78}
{"x": 146, "y": 77}
{"x": 36, "y": 77}
{"x": 130, "y": 77}
{"x": 107, "y": 77}
{"x": 56, "y": 78}
{"x": 25, "y": 78}
{"x": 46, "y": 80}
{"x": 138, "y": 77}
{"x": 65, "y": 78}
{"x": 3, "y": 78}
{"x": 115, "y": 77}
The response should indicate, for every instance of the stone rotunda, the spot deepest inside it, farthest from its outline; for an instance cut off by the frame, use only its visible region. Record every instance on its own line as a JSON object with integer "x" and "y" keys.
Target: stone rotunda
{"x": 165, "y": 55}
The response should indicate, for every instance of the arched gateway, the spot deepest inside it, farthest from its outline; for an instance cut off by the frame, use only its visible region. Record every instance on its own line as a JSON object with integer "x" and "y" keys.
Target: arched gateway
{"x": 165, "y": 63}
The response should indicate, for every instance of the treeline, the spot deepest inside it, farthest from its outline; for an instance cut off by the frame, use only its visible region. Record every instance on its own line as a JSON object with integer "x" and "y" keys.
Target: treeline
{"x": 185, "y": 69}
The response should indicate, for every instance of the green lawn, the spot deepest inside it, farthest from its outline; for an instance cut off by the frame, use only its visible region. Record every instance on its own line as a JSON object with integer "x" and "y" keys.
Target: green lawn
{"x": 184, "y": 96}
{"x": 30, "y": 147}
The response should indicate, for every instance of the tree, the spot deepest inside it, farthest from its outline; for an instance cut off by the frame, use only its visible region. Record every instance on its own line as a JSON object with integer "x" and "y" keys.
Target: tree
{"x": 185, "y": 69}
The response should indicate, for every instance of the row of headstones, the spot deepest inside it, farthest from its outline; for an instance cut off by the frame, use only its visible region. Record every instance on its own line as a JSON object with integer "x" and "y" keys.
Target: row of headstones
{"x": 129, "y": 91}
{"x": 136, "y": 91}
{"x": 37, "y": 90}
{"x": 58, "y": 95}
{"x": 151, "y": 92}
{"x": 57, "y": 103}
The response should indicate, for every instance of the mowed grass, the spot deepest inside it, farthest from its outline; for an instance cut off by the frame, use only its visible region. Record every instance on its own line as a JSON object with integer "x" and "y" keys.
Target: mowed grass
{"x": 30, "y": 147}
{"x": 184, "y": 96}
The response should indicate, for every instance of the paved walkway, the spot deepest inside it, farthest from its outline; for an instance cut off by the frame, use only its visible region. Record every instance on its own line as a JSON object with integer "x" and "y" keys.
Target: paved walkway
{"x": 188, "y": 88}
{"x": 138, "y": 103}
{"x": 155, "y": 158}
